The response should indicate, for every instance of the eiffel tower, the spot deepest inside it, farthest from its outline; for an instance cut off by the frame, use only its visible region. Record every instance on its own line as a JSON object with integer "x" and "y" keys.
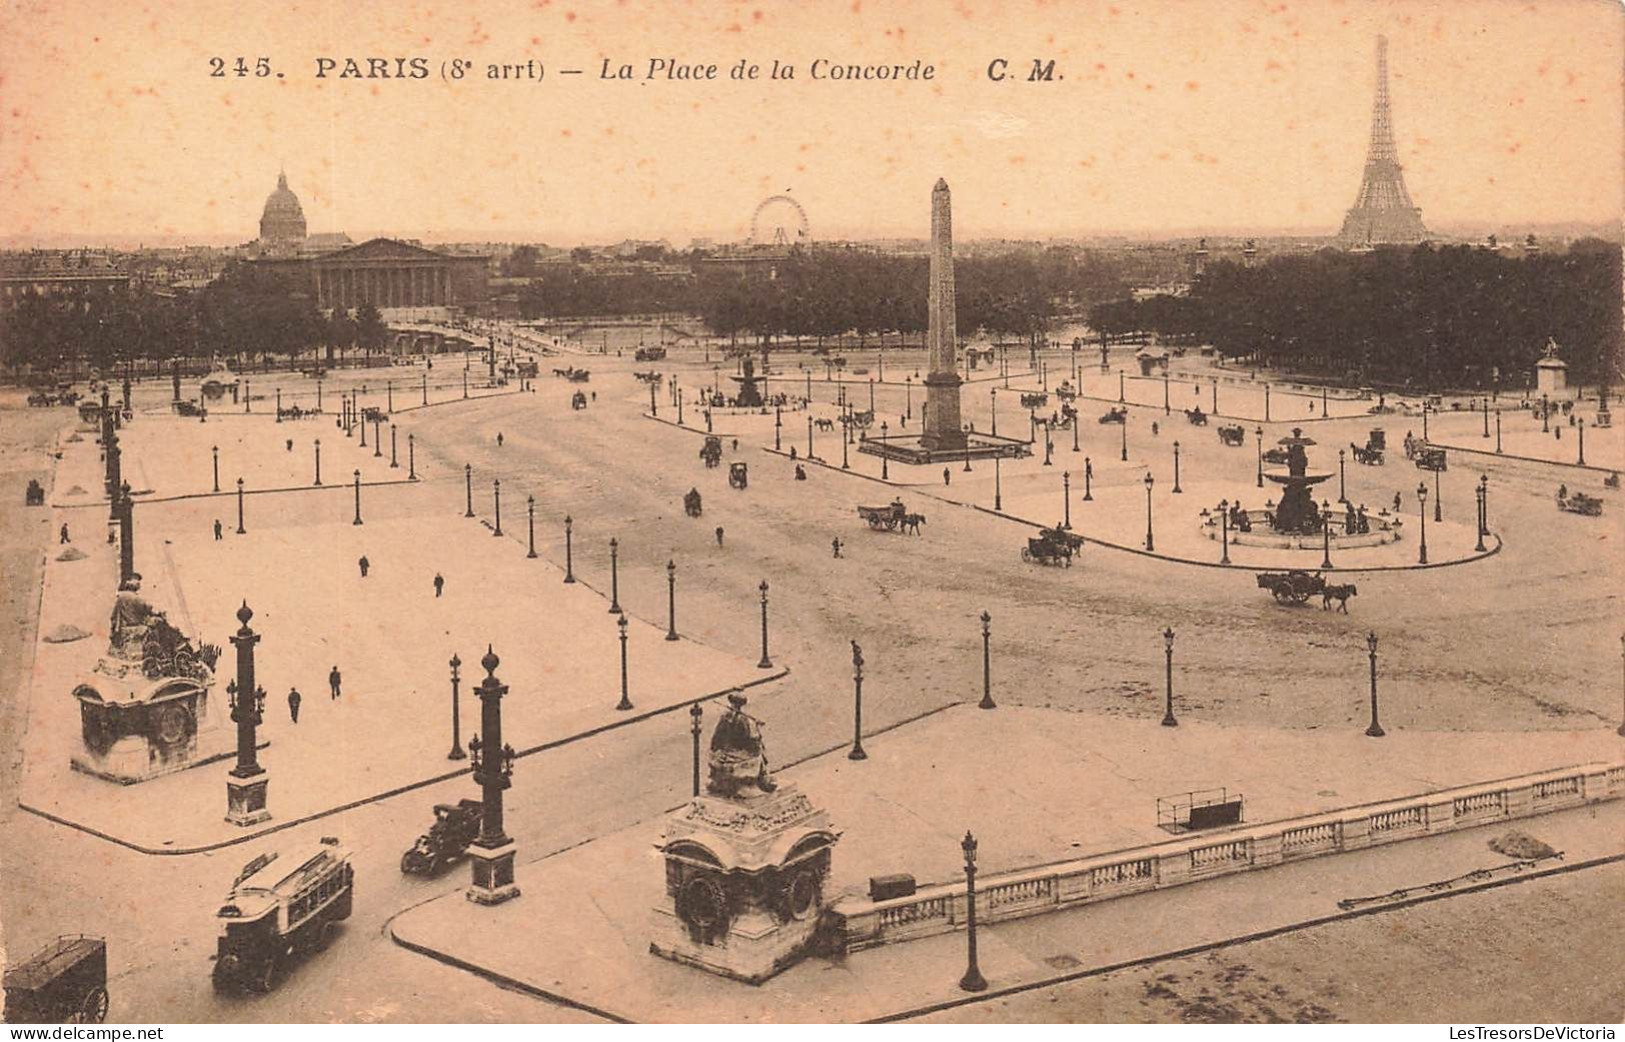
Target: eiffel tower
{"x": 1383, "y": 211}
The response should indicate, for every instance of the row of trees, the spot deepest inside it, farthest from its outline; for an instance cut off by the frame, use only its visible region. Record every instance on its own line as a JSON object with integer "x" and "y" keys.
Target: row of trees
{"x": 1425, "y": 316}
{"x": 251, "y": 314}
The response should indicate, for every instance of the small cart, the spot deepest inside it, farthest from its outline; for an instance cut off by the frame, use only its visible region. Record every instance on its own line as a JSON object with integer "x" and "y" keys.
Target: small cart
{"x": 65, "y": 982}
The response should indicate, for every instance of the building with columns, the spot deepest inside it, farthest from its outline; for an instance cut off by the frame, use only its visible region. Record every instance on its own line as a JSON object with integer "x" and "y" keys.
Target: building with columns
{"x": 387, "y": 273}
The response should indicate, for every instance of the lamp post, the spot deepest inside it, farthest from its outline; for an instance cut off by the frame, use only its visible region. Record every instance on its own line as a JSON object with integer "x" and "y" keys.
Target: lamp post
{"x": 671, "y": 600}
{"x": 1259, "y": 433}
{"x": 1582, "y": 426}
{"x": 998, "y": 484}
{"x": 1120, "y": 386}
{"x": 993, "y": 396}
{"x": 1375, "y": 730}
{"x": 694, "y": 714}
{"x": 216, "y": 450}
{"x": 778, "y": 426}
{"x": 362, "y": 423}
{"x": 1325, "y": 534}
{"x": 908, "y": 396}
{"x": 491, "y": 854}
{"x": 1088, "y": 480}
{"x": 844, "y": 464}
{"x": 1075, "y": 426}
{"x": 1323, "y": 401}
{"x": 1066, "y": 499}
{"x": 1168, "y": 651}
{"x": 569, "y": 550}
{"x": 973, "y": 979}
{"x": 456, "y": 712}
{"x": 885, "y": 470}
{"x": 377, "y": 442}
{"x": 247, "y": 397}
{"x": 625, "y": 702}
{"x": 357, "y": 520}
{"x": 765, "y": 663}
{"x": 809, "y": 436}
{"x": 1497, "y": 429}
{"x": 1266, "y": 403}
{"x": 1224, "y": 531}
{"x": 1149, "y": 544}
{"x": 394, "y": 464}
{"x": 1478, "y": 493}
{"x": 1124, "y": 425}
{"x": 1422, "y": 511}
{"x": 1342, "y": 488}
{"x": 1048, "y": 447}
{"x": 1438, "y": 499}
{"x": 496, "y": 500}
{"x": 680, "y": 391}
{"x": 411, "y": 457}
{"x": 425, "y": 387}
{"x": 1165, "y": 407}
{"x": 1484, "y": 485}
{"x": 857, "y": 752}
{"x": 615, "y": 576}
{"x": 1545, "y": 415}
{"x": 1486, "y": 433}
{"x": 240, "y": 529}
{"x": 987, "y": 664}
{"x": 1177, "y": 489}
{"x": 468, "y": 489}
{"x": 247, "y": 781}
{"x": 318, "y": 480}
{"x": 465, "y": 379}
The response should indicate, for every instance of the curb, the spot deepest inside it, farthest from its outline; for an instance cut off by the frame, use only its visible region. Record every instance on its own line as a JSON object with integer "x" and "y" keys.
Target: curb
{"x": 1529, "y": 459}
{"x": 398, "y": 790}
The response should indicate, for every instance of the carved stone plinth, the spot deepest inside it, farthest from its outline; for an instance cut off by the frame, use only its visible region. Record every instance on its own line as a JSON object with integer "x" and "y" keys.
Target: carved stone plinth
{"x": 245, "y": 799}
{"x": 492, "y": 874}
{"x": 745, "y": 881}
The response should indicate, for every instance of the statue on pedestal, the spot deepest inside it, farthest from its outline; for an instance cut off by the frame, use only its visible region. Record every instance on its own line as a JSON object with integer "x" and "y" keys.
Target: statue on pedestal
{"x": 738, "y": 758}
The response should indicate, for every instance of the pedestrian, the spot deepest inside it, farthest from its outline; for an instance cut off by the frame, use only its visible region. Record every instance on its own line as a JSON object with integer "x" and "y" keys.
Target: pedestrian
{"x": 719, "y": 535}
{"x": 439, "y": 583}
{"x": 1153, "y": 427}
{"x": 835, "y": 544}
{"x": 365, "y": 564}
{"x": 65, "y": 538}
{"x": 217, "y": 535}
{"x": 293, "y": 704}
{"x": 947, "y": 475}
{"x": 736, "y": 444}
{"x": 333, "y": 681}
{"x": 499, "y": 439}
{"x": 595, "y": 396}
{"x": 1396, "y": 502}
{"x": 792, "y": 452}
{"x": 290, "y": 444}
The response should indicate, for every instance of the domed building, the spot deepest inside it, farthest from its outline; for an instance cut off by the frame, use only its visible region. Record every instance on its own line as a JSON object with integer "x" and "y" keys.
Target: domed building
{"x": 282, "y": 225}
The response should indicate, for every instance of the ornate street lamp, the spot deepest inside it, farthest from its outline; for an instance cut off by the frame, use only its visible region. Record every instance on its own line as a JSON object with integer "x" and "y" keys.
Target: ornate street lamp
{"x": 671, "y": 600}
{"x": 694, "y": 714}
{"x": 625, "y": 702}
{"x": 318, "y": 480}
{"x": 1375, "y": 730}
{"x": 885, "y": 471}
{"x": 765, "y": 663}
{"x": 247, "y": 782}
{"x": 998, "y": 483}
{"x": 1342, "y": 489}
{"x": 357, "y": 520}
{"x": 1266, "y": 403}
{"x": 1066, "y": 499}
{"x": 377, "y": 442}
{"x": 1166, "y": 410}
{"x": 468, "y": 488}
{"x": 1325, "y": 534}
{"x": 809, "y": 436}
{"x": 1478, "y": 492}
{"x": 216, "y": 450}
{"x": 1168, "y": 651}
{"x": 491, "y": 854}
{"x": 1582, "y": 426}
{"x": 240, "y": 529}
{"x": 530, "y": 527}
{"x": 456, "y": 711}
{"x": 615, "y": 576}
{"x": 1259, "y": 433}
{"x": 973, "y": 979}
{"x": 569, "y": 550}
{"x": 1149, "y": 544}
{"x": 1088, "y": 478}
{"x": 411, "y": 457}
{"x": 993, "y": 395}
{"x": 1438, "y": 499}
{"x": 496, "y": 499}
{"x": 1422, "y": 511}
{"x": 392, "y": 458}
{"x": 1124, "y": 425}
{"x": 1498, "y": 429}
{"x": 857, "y": 752}
{"x": 1177, "y": 489}
{"x": 987, "y": 664}
{"x": 1224, "y": 530}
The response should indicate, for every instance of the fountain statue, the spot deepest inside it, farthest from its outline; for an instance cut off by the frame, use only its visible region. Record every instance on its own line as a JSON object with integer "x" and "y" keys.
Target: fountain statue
{"x": 749, "y": 396}
{"x": 1297, "y": 513}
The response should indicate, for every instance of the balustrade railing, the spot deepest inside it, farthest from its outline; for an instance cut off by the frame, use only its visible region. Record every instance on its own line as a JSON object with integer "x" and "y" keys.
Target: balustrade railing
{"x": 1393, "y": 820}
{"x": 1308, "y": 838}
{"x": 1478, "y": 803}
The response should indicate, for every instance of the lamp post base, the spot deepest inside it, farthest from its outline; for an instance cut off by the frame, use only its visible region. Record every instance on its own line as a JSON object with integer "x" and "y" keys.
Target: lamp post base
{"x": 246, "y": 798}
{"x": 492, "y": 868}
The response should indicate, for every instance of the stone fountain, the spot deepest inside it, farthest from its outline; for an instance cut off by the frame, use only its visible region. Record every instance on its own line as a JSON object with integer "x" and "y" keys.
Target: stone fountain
{"x": 1297, "y": 513}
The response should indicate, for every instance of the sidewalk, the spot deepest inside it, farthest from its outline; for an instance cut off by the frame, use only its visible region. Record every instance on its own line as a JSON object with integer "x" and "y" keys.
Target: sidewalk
{"x": 1079, "y": 786}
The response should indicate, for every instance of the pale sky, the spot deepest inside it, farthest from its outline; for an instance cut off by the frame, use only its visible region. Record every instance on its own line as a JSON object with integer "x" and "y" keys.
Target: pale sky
{"x": 1166, "y": 114}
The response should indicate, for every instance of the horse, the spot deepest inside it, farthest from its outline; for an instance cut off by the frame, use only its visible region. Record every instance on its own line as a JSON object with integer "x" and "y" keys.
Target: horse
{"x": 824, "y": 425}
{"x": 912, "y": 522}
{"x": 1340, "y": 594}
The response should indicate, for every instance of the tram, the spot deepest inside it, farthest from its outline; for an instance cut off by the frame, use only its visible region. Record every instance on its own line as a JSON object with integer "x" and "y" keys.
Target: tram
{"x": 281, "y": 906}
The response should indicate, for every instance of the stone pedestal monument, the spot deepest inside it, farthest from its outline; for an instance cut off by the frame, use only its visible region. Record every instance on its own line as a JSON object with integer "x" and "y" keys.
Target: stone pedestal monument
{"x": 942, "y": 424}
{"x": 1551, "y": 372}
{"x": 746, "y": 864}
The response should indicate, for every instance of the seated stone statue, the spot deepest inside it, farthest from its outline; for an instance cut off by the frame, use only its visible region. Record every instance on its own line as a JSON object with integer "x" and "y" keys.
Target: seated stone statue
{"x": 738, "y": 763}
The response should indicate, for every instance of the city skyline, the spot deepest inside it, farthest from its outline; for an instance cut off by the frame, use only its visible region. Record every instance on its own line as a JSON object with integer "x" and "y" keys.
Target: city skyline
{"x": 1253, "y": 121}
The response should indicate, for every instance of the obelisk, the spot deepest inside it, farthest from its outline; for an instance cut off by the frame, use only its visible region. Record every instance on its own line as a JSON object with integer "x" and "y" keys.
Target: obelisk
{"x": 942, "y": 431}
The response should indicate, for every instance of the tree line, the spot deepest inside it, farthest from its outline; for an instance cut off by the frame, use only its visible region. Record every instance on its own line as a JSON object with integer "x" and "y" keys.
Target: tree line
{"x": 1425, "y": 316}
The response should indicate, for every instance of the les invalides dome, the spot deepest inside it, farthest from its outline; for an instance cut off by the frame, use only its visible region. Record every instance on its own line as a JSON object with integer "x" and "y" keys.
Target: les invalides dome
{"x": 283, "y": 222}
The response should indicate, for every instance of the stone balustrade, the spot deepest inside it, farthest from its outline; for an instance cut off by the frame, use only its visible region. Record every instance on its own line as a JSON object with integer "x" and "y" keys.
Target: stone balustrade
{"x": 860, "y": 923}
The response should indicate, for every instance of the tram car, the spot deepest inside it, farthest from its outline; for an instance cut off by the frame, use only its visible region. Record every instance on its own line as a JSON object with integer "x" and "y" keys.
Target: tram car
{"x": 281, "y": 906}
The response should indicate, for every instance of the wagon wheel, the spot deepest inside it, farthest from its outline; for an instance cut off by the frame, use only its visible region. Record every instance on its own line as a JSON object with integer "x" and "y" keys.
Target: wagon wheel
{"x": 94, "y": 1008}
{"x": 1298, "y": 596}
{"x": 1282, "y": 595}
{"x": 1026, "y": 554}
{"x": 325, "y": 934}
{"x": 265, "y": 979}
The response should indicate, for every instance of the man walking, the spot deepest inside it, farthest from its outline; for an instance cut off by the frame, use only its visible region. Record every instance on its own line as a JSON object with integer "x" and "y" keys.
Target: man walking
{"x": 365, "y": 564}
{"x": 217, "y": 536}
{"x": 947, "y": 475}
{"x": 293, "y": 703}
{"x": 65, "y": 538}
{"x": 835, "y": 544}
{"x": 719, "y": 535}
{"x": 439, "y": 583}
{"x": 333, "y": 681}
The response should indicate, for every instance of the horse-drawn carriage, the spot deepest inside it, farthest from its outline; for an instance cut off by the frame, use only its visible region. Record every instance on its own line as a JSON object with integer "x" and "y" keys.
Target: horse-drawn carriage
{"x": 894, "y": 517}
{"x": 1066, "y": 392}
{"x": 1115, "y": 414}
{"x": 649, "y": 354}
{"x": 1066, "y": 419}
{"x": 574, "y": 375}
{"x": 1233, "y": 435}
{"x": 1578, "y": 503}
{"x": 650, "y": 377}
{"x": 1292, "y": 587}
{"x": 861, "y": 420}
{"x": 711, "y": 451}
{"x": 1367, "y": 455}
{"x": 1052, "y": 546}
{"x": 41, "y": 399}
{"x": 455, "y": 826}
{"x": 1196, "y": 416}
{"x": 1034, "y": 401}
{"x": 34, "y": 495}
{"x": 63, "y": 983}
{"x": 578, "y": 400}
{"x": 738, "y": 475}
{"x": 1276, "y": 457}
{"x": 691, "y": 503}
{"x": 1431, "y": 458}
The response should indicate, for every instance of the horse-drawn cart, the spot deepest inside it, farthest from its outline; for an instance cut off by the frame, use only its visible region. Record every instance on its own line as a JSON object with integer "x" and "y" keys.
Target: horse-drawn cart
{"x": 1052, "y": 546}
{"x": 1292, "y": 587}
{"x": 1431, "y": 458}
{"x": 711, "y": 451}
{"x": 1579, "y": 503}
{"x": 1115, "y": 415}
{"x": 63, "y": 983}
{"x": 1233, "y": 435}
{"x": 894, "y": 517}
{"x": 691, "y": 503}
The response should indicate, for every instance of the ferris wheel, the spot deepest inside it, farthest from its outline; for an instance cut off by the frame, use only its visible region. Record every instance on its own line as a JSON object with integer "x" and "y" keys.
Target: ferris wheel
{"x": 779, "y": 221}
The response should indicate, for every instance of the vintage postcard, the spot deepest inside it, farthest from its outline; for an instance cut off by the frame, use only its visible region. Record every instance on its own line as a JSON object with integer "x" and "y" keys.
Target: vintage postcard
{"x": 519, "y": 513}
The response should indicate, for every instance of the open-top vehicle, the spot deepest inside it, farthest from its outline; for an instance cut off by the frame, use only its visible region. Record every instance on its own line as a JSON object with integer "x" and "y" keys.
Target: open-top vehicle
{"x": 711, "y": 451}
{"x": 889, "y": 517}
{"x": 63, "y": 983}
{"x": 1431, "y": 458}
{"x": 455, "y": 826}
{"x": 1052, "y": 546}
{"x": 1233, "y": 434}
{"x": 1579, "y": 503}
{"x": 1114, "y": 415}
{"x": 1292, "y": 587}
